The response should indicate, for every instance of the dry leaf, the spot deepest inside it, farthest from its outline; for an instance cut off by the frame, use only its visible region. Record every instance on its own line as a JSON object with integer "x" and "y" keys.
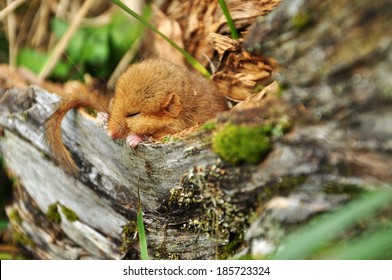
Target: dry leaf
{"x": 239, "y": 74}
{"x": 200, "y": 18}
{"x": 173, "y": 31}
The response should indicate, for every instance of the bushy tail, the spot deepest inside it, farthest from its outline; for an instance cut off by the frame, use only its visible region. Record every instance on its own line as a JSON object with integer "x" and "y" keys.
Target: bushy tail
{"x": 53, "y": 136}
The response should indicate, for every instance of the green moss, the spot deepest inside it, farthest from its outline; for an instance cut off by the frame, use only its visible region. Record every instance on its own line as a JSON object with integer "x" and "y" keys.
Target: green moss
{"x": 15, "y": 217}
{"x": 17, "y": 234}
{"x": 350, "y": 189}
{"x": 285, "y": 185}
{"x": 170, "y": 139}
{"x": 257, "y": 88}
{"x": 69, "y": 214}
{"x": 282, "y": 88}
{"x": 11, "y": 256}
{"x": 209, "y": 126}
{"x": 52, "y": 214}
{"x": 241, "y": 143}
{"x": 162, "y": 254}
{"x": 301, "y": 20}
{"x": 281, "y": 187}
{"x": 23, "y": 239}
{"x": 231, "y": 247}
{"x": 91, "y": 111}
{"x": 129, "y": 236}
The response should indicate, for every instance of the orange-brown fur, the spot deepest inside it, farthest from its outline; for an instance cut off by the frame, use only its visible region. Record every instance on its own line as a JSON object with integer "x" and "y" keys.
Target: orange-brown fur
{"x": 169, "y": 98}
{"x": 52, "y": 136}
{"x": 166, "y": 97}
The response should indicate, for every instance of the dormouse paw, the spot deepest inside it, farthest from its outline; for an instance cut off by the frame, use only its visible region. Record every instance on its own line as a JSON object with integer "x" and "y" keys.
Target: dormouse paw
{"x": 133, "y": 140}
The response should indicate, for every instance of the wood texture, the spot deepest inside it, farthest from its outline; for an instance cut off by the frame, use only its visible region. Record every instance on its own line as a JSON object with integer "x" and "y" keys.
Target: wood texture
{"x": 334, "y": 70}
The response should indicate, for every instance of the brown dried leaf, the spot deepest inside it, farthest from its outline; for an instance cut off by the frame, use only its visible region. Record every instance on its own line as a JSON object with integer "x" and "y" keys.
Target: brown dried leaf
{"x": 171, "y": 29}
{"x": 223, "y": 43}
{"x": 200, "y": 18}
{"x": 239, "y": 74}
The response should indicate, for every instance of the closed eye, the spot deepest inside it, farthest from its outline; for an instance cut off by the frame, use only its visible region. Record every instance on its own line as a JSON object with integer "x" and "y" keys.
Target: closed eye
{"x": 130, "y": 115}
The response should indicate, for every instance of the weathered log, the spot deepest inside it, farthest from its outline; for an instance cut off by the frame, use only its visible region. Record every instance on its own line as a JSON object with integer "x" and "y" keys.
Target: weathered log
{"x": 335, "y": 69}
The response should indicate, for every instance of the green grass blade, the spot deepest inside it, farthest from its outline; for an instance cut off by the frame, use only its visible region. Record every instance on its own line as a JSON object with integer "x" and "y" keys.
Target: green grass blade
{"x": 373, "y": 246}
{"x": 140, "y": 228}
{"x": 187, "y": 56}
{"x": 142, "y": 235}
{"x": 230, "y": 22}
{"x": 301, "y": 244}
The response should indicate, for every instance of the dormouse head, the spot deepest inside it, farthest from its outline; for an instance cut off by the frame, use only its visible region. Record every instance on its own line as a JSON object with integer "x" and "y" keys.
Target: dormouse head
{"x": 147, "y": 100}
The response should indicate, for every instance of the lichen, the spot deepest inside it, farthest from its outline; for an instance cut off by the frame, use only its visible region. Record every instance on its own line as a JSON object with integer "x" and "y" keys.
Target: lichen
{"x": 52, "y": 214}
{"x": 238, "y": 144}
{"x": 162, "y": 253}
{"x": 69, "y": 214}
{"x": 182, "y": 197}
{"x": 216, "y": 216}
{"x": 281, "y": 126}
{"x": 166, "y": 256}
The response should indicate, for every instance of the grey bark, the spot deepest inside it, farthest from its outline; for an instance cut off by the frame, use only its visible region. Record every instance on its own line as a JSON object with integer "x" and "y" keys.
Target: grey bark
{"x": 335, "y": 64}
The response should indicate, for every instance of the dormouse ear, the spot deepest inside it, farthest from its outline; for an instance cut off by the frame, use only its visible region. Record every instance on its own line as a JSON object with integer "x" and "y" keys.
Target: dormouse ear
{"x": 172, "y": 105}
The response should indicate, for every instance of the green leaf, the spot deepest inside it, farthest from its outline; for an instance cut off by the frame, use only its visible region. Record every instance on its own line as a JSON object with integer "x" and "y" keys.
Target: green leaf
{"x": 35, "y": 60}
{"x": 31, "y": 59}
{"x": 58, "y": 27}
{"x": 142, "y": 235}
{"x": 76, "y": 44}
{"x": 95, "y": 49}
{"x": 123, "y": 32}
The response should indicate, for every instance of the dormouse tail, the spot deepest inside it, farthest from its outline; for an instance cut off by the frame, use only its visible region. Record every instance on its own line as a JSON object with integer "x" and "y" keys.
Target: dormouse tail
{"x": 53, "y": 135}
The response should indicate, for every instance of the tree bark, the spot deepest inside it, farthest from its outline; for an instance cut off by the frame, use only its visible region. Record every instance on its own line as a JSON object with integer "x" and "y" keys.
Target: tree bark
{"x": 334, "y": 71}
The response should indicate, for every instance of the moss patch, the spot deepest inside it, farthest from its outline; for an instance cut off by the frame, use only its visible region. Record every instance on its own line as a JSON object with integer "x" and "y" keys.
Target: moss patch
{"x": 52, "y": 214}
{"x": 15, "y": 217}
{"x": 23, "y": 239}
{"x": 282, "y": 187}
{"x": 69, "y": 214}
{"x": 209, "y": 126}
{"x": 301, "y": 20}
{"x": 129, "y": 236}
{"x": 241, "y": 143}
{"x": 250, "y": 143}
{"x": 170, "y": 139}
